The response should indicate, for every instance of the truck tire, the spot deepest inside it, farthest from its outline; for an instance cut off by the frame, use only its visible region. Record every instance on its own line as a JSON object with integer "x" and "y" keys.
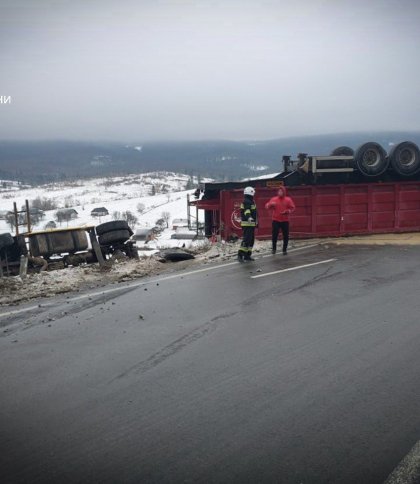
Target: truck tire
{"x": 371, "y": 159}
{"x": 405, "y": 158}
{"x": 112, "y": 226}
{"x": 342, "y": 151}
{"x": 176, "y": 255}
{"x": 6, "y": 240}
{"x": 114, "y": 237}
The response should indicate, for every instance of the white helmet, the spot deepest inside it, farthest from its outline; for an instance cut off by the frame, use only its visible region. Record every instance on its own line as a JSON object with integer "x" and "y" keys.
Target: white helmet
{"x": 249, "y": 191}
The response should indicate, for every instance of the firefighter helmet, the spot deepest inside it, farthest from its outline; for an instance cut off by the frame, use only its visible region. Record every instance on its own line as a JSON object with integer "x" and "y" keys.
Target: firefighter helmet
{"x": 249, "y": 191}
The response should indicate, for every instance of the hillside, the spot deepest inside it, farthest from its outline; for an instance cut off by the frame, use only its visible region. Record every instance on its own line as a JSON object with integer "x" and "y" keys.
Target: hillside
{"x": 146, "y": 196}
{"x": 46, "y": 161}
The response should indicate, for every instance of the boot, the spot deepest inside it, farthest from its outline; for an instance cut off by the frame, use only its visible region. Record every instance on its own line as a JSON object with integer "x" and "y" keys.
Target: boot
{"x": 240, "y": 256}
{"x": 249, "y": 257}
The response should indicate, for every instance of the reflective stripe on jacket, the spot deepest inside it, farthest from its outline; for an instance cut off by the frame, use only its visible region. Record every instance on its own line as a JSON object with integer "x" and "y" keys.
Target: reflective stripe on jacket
{"x": 248, "y": 210}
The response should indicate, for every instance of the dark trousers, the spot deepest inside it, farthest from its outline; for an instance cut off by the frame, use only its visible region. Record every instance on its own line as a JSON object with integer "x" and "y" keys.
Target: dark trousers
{"x": 248, "y": 238}
{"x": 284, "y": 227}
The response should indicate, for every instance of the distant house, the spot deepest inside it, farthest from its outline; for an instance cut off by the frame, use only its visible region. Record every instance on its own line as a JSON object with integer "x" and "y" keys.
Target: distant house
{"x": 4, "y": 214}
{"x": 99, "y": 212}
{"x": 36, "y": 211}
{"x": 66, "y": 214}
{"x": 179, "y": 222}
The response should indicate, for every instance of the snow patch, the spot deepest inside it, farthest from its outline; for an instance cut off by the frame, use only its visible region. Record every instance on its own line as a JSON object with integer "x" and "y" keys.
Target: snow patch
{"x": 132, "y": 193}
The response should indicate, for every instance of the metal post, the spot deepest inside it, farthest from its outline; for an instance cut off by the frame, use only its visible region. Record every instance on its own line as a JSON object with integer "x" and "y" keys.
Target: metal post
{"x": 188, "y": 211}
{"x": 16, "y": 218}
{"x": 28, "y": 216}
{"x": 196, "y": 219}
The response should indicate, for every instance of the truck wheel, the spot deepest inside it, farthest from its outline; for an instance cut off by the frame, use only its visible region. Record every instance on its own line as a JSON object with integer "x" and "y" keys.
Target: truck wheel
{"x": 116, "y": 236}
{"x": 6, "y": 240}
{"x": 405, "y": 158}
{"x": 342, "y": 151}
{"x": 112, "y": 226}
{"x": 175, "y": 255}
{"x": 371, "y": 159}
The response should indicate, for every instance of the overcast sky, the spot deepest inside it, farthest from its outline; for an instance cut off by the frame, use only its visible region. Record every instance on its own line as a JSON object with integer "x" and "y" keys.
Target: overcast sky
{"x": 183, "y": 69}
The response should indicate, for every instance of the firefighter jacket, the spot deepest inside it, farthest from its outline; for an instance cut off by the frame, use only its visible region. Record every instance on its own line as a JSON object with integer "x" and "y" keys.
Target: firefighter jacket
{"x": 248, "y": 212}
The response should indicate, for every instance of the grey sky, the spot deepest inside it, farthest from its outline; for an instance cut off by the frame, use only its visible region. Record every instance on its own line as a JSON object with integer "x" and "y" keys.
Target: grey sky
{"x": 184, "y": 69}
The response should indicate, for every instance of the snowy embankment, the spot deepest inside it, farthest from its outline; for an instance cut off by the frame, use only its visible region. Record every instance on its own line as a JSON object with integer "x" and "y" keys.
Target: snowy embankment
{"x": 157, "y": 192}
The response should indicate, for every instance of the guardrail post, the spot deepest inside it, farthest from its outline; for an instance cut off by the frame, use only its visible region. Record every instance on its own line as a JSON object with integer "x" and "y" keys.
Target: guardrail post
{"x": 23, "y": 268}
{"x": 96, "y": 248}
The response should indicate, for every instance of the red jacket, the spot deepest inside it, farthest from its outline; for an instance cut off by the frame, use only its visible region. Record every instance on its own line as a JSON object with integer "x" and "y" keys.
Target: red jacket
{"x": 281, "y": 207}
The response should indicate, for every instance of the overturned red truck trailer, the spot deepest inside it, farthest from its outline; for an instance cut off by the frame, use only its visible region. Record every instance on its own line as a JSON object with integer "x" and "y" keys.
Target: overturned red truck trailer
{"x": 341, "y": 194}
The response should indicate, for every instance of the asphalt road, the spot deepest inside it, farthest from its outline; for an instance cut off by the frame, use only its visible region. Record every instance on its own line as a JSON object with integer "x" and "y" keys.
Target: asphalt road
{"x": 303, "y": 376}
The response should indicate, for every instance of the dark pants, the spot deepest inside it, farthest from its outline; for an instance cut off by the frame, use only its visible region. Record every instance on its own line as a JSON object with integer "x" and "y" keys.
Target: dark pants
{"x": 284, "y": 227}
{"x": 248, "y": 238}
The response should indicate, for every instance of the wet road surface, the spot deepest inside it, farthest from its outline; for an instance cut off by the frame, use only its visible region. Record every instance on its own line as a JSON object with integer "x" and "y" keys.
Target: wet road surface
{"x": 309, "y": 375}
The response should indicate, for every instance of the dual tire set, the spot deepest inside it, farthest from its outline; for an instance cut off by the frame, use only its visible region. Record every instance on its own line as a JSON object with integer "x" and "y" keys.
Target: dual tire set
{"x": 372, "y": 160}
{"x": 112, "y": 233}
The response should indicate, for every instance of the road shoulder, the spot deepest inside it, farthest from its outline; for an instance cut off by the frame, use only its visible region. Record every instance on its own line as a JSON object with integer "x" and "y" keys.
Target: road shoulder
{"x": 408, "y": 470}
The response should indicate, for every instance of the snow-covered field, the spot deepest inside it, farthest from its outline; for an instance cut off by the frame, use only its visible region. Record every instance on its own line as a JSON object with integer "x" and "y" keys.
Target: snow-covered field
{"x": 116, "y": 194}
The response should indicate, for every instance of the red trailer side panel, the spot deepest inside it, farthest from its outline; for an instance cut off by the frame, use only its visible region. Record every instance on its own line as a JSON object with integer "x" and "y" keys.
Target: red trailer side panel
{"x": 332, "y": 210}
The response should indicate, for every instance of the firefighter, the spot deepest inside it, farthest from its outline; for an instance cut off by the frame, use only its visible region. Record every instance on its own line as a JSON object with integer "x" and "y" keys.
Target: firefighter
{"x": 280, "y": 206}
{"x": 248, "y": 224}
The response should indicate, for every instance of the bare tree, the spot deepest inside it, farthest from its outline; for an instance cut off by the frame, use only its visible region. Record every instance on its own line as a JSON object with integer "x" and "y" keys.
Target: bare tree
{"x": 59, "y": 216}
{"x": 166, "y": 217}
{"x": 10, "y": 219}
{"x": 68, "y": 201}
{"x": 190, "y": 184}
{"x": 44, "y": 203}
{"x": 63, "y": 216}
{"x": 128, "y": 216}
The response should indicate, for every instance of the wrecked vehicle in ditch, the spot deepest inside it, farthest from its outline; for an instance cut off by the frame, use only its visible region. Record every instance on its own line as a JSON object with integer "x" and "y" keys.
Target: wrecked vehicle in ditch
{"x": 59, "y": 248}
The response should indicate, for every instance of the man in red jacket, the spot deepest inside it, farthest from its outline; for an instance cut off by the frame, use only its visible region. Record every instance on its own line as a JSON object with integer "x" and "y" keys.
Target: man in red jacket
{"x": 280, "y": 206}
